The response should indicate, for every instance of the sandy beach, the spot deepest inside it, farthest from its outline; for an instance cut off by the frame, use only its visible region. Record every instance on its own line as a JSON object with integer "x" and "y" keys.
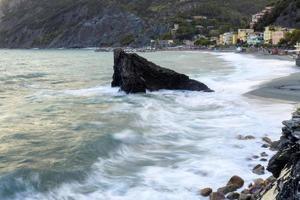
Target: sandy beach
{"x": 284, "y": 88}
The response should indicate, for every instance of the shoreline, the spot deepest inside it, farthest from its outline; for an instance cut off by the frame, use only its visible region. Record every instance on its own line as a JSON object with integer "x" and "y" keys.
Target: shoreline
{"x": 286, "y": 88}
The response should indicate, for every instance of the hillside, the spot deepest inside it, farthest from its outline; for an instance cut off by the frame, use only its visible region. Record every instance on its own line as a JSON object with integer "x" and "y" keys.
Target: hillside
{"x": 286, "y": 13}
{"x": 84, "y": 23}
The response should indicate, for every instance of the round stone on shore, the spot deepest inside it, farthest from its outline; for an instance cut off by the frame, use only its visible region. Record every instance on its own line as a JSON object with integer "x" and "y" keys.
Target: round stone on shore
{"x": 205, "y": 192}
{"x": 216, "y": 196}
{"x": 259, "y": 170}
{"x": 237, "y": 181}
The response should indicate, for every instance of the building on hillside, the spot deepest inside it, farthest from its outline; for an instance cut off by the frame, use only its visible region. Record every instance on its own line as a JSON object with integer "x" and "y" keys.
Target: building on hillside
{"x": 162, "y": 43}
{"x": 221, "y": 40}
{"x": 244, "y": 33}
{"x": 175, "y": 29}
{"x": 258, "y": 16}
{"x": 277, "y": 36}
{"x": 273, "y": 34}
{"x": 256, "y": 38}
{"x": 234, "y": 38}
{"x": 227, "y": 38}
{"x": 268, "y": 34}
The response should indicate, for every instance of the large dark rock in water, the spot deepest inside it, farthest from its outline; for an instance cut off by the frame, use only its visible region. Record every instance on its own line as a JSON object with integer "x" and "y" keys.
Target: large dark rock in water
{"x": 134, "y": 74}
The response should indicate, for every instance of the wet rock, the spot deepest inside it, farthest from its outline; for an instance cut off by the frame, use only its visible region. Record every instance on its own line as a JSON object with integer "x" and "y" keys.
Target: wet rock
{"x": 233, "y": 184}
{"x": 216, "y": 196}
{"x": 264, "y": 160}
{"x": 247, "y": 137}
{"x": 206, "y": 192}
{"x": 245, "y": 196}
{"x": 227, "y": 189}
{"x": 255, "y": 157}
{"x": 274, "y": 146}
{"x": 264, "y": 154}
{"x": 257, "y": 186}
{"x": 135, "y": 74}
{"x": 259, "y": 170}
{"x": 267, "y": 140}
{"x": 270, "y": 180}
{"x": 296, "y": 134}
{"x": 233, "y": 196}
{"x": 265, "y": 146}
{"x": 236, "y": 181}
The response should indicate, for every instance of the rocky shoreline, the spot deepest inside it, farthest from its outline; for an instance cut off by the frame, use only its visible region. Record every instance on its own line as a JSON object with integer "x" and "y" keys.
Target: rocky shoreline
{"x": 284, "y": 165}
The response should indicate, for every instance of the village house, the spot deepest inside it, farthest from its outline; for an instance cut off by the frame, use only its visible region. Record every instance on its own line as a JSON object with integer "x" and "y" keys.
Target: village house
{"x": 175, "y": 29}
{"x": 162, "y": 43}
{"x": 273, "y": 34}
{"x": 256, "y": 38}
{"x": 244, "y": 33}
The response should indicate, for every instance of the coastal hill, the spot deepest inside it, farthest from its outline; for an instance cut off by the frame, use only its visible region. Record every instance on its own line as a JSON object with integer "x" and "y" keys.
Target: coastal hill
{"x": 90, "y": 23}
{"x": 286, "y": 13}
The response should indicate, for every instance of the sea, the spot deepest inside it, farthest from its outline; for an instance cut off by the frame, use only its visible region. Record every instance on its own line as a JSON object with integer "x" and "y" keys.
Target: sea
{"x": 65, "y": 134}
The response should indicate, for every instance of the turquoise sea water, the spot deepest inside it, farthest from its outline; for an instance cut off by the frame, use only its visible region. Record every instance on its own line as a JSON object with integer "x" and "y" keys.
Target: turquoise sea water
{"x": 66, "y": 134}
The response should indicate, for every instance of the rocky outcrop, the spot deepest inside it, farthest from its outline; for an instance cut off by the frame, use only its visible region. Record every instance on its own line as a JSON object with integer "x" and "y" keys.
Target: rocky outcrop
{"x": 135, "y": 74}
{"x": 285, "y": 164}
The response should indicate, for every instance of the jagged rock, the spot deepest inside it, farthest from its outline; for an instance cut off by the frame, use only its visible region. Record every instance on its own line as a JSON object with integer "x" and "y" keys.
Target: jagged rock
{"x": 206, "y": 192}
{"x": 259, "y": 170}
{"x": 134, "y": 74}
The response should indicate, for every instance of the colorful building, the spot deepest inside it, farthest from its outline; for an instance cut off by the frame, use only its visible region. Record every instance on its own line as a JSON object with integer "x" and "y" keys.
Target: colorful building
{"x": 273, "y": 34}
{"x": 234, "y": 38}
{"x": 256, "y": 38}
{"x": 244, "y": 33}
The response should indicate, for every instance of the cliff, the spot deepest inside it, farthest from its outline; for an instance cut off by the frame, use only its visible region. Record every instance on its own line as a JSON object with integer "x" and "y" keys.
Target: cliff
{"x": 285, "y": 164}
{"x": 86, "y": 23}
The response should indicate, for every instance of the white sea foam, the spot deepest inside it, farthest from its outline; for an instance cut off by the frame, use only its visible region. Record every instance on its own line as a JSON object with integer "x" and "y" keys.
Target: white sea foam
{"x": 177, "y": 142}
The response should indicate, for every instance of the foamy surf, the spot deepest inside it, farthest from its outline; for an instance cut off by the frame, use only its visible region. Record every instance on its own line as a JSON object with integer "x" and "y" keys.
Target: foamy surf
{"x": 94, "y": 142}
